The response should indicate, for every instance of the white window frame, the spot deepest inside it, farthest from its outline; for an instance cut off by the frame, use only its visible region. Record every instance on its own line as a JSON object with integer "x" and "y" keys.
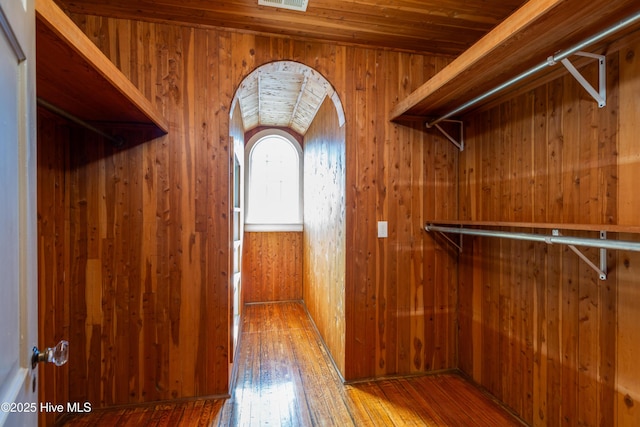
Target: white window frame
{"x": 261, "y": 226}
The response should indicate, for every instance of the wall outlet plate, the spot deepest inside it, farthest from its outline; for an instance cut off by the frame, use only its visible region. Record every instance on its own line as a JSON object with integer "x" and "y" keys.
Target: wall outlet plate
{"x": 383, "y": 230}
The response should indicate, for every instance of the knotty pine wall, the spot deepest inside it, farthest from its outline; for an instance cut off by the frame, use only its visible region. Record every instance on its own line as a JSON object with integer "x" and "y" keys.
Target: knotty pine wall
{"x": 121, "y": 275}
{"x": 538, "y": 329}
{"x": 400, "y": 306}
{"x": 272, "y": 266}
{"x": 156, "y": 283}
{"x": 54, "y": 257}
{"x": 325, "y": 228}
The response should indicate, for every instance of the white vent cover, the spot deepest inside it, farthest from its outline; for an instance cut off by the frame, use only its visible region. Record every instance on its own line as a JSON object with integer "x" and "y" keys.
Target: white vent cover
{"x": 300, "y": 5}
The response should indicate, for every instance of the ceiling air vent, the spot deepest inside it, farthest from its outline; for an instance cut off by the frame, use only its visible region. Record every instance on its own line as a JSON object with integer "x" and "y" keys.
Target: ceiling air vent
{"x": 299, "y": 5}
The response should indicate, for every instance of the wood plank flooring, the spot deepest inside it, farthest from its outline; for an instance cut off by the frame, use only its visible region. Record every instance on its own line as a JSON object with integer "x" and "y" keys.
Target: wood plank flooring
{"x": 286, "y": 378}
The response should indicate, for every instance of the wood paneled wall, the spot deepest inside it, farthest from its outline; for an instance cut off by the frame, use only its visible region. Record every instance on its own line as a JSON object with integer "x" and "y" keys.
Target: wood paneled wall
{"x": 142, "y": 244}
{"x": 627, "y": 339}
{"x": 400, "y": 304}
{"x": 151, "y": 296}
{"x": 134, "y": 243}
{"x": 131, "y": 286}
{"x": 54, "y": 256}
{"x": 272, "y": 267}
{"x": 537, "y": 327}
{"x": 325, "y": 228}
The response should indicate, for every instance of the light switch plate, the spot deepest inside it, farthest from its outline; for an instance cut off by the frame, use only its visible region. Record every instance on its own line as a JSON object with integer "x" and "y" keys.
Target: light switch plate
{"x": 382, "y": 229}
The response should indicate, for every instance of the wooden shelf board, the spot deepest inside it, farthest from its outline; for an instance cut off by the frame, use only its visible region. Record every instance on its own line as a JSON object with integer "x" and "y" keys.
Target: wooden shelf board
{"x": 75, "y": 76}
{"x": 534, "y": 32}
{"x": 541, "y": 225}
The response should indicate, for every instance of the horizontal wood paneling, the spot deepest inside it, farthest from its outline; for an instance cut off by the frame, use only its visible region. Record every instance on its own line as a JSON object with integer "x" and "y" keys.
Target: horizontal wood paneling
{"x": 272, "y": 267}
{"x": 325, "y": 229}
{"x": 538, "y": 329}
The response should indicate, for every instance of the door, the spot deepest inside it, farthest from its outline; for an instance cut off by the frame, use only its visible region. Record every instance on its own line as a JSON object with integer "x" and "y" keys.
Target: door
{"x": 18, "y": 265}
{"x": 238, "y": 231}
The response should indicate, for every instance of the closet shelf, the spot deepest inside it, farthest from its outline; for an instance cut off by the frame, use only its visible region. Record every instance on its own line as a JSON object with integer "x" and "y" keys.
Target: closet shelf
{"x": 75, "y": 76}
{"x": 536, "y": 31}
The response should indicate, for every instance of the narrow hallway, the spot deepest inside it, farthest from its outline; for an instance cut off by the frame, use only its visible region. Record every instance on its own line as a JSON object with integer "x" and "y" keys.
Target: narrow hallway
{"x": 285, "y": 378}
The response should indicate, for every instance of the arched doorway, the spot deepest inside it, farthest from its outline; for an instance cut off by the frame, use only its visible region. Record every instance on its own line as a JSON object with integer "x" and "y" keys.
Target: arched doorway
{"x": 292, "y": 97}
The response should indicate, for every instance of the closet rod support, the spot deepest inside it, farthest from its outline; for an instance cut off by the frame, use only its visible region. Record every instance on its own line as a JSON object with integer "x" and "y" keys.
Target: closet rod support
{"x": 599, "y": 95}
{"x": 602, "y": 270}
{"x": 460, "y": 143}
{"x": 457, "y": 245}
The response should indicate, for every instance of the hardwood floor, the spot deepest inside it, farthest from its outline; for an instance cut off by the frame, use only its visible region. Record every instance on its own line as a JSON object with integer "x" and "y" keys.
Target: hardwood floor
{"x": 286, "y": 378}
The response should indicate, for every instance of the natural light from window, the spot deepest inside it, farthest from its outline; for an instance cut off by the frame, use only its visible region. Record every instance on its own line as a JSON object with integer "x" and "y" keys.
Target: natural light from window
{"x": 274, "y": 182}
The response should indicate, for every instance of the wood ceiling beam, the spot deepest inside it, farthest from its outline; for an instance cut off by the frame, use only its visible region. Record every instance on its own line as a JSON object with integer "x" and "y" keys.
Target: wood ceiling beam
{"x": 303, "y": 88}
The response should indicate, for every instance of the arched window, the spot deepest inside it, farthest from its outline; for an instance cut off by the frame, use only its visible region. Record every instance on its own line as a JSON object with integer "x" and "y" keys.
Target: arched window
{"x": 274, "y": 196}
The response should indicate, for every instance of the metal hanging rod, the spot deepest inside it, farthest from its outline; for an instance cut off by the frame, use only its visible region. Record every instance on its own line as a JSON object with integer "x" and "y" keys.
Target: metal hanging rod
{"x": 549, "y": 239}
{"x": 117, "y": 141}
{"x": 551, "y": 60}
{"x": 603, "y": 244}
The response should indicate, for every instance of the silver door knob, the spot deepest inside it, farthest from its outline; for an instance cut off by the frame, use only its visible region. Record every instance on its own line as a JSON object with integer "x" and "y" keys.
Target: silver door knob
{"x": 57, "y": 355}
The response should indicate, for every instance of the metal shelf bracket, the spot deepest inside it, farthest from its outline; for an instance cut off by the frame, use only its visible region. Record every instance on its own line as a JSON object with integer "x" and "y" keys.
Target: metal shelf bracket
{"x": 460, "y": 143}
{"x": 599, "y": 95}
{"x": 602, "y": 270}
{"x": 457, "y": 245}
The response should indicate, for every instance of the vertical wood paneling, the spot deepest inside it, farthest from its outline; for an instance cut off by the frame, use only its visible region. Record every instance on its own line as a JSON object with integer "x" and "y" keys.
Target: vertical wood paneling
{"x": 539, "y": 330}
{"x": 53, "y": 319}
{"x": 145, "y": 237}
{"x": 409, "y": 304}
{"x": 141, "y": 235}
{"x": 360, "y": 224}
{"x": 627, "y": 374}
{"x": 324, "y": 229}
{"x": 272, "y": 267}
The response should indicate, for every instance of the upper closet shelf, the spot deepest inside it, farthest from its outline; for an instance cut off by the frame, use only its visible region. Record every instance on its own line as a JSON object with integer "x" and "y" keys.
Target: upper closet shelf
{"x": 75, "y": 76}
{"x": 532, "y": 35}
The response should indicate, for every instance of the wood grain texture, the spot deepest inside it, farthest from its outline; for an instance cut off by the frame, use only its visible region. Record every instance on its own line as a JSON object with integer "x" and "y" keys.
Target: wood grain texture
{"x": 272, "y": 267}
{"x": 53, "y": 258}
{"x": 538, "y": 329}
{"x": 143, "y": 233}
{"x": 625, "y": 297}
{"x": 400, "y": 312}
{"x": 287, "y": 379}
{"x": 427, "y": 26}
{"x": 112, "y": 98}
{"x": 324, "y": 229}
{"x": 522, "y": 41}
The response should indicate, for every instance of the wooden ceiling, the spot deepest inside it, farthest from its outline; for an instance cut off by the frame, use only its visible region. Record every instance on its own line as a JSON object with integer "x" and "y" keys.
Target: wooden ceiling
{"x": 442, "y": 27}
{"x": 446, "y": 27}
{"x": 283, "y": 94}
